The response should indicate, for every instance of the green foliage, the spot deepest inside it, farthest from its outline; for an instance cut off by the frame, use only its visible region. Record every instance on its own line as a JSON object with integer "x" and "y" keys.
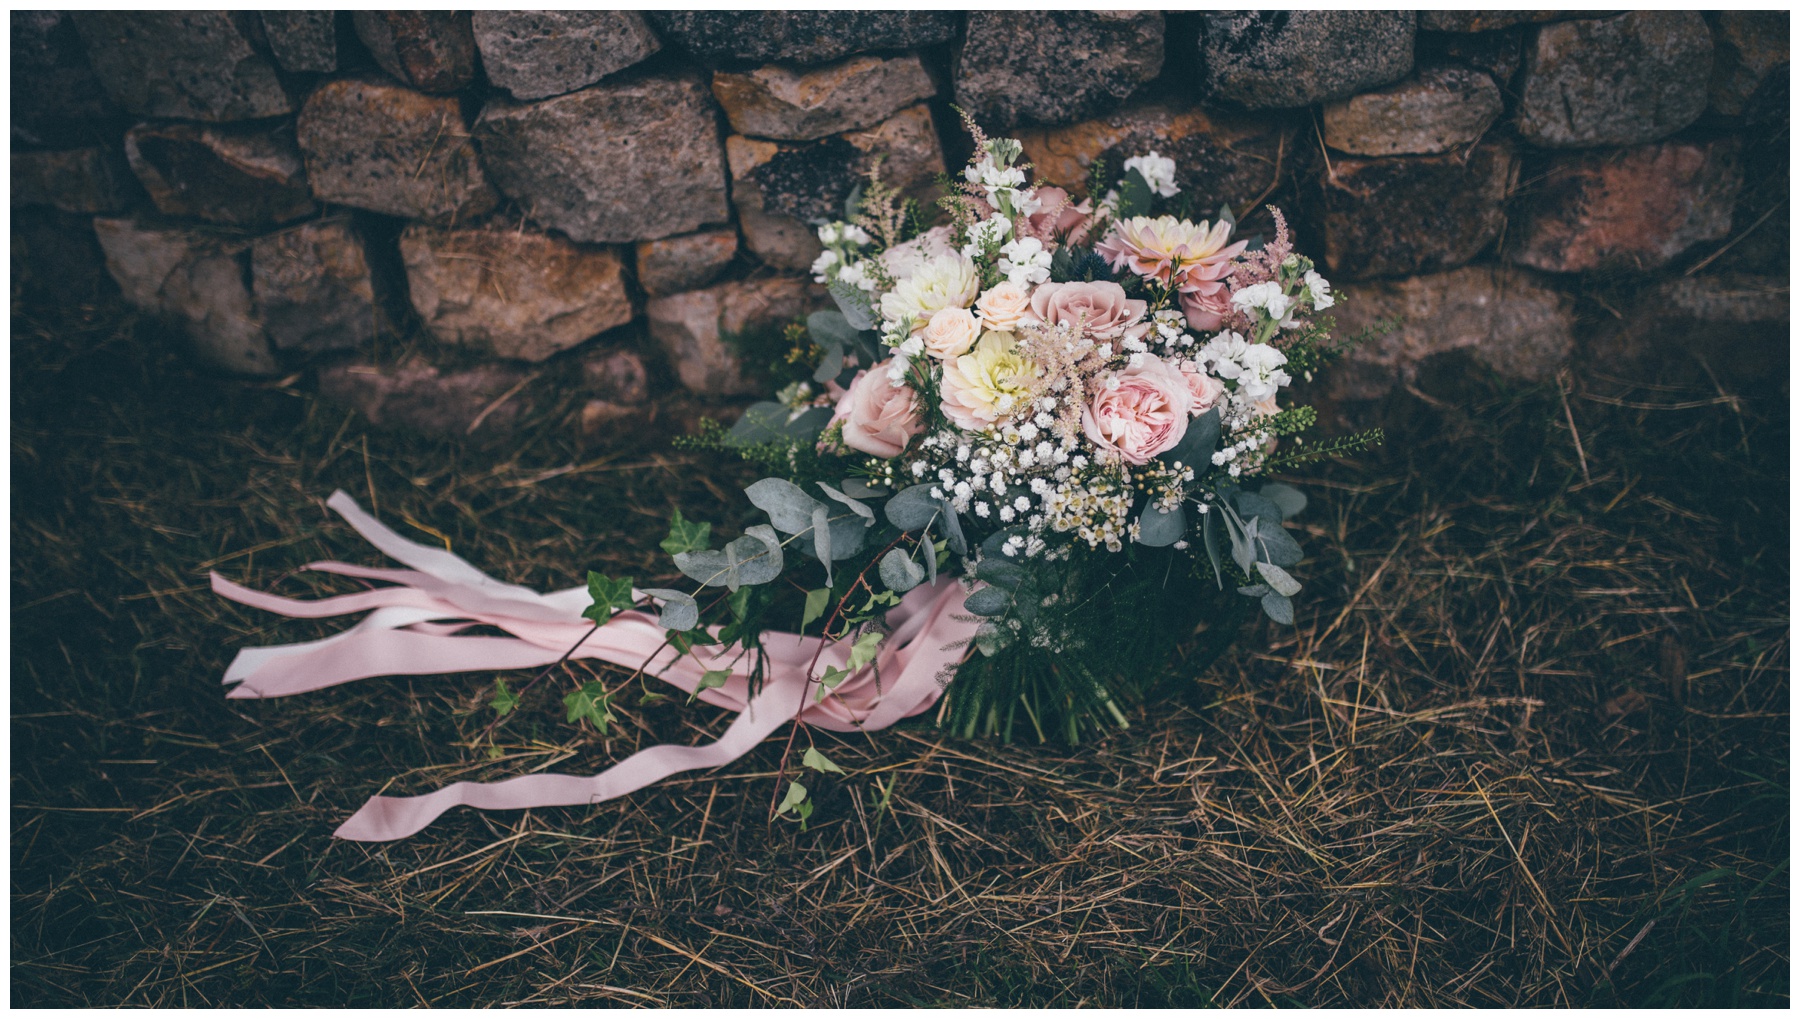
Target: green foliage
{"x": 819, "y": 762}
{"x": 504, "y": 700}
{"x": 609, "y": 596}
{"x": 816, "y": 603}
{"x": 712, "y": 679}
{"x": 592, "y": 703}
{"x": 686, "y": 535}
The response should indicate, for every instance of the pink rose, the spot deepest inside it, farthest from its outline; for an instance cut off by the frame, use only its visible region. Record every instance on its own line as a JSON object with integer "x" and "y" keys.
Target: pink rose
{"x": 1058, "y": 216}
{"x": 1206, "y": 306}
{"x": 1146, "y": 413}
{"x": 1102, "y": 308}
{"x": 1205, "y": 389}
{"x": 879, "y": 417}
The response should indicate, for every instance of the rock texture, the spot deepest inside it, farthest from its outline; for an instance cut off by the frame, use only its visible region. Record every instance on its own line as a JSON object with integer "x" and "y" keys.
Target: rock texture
{"x": 1218, "y": 159}
{"x": 516, "y": 294}
{"x": 674, "y": 264}
{"x": 90, "y": 180}
{"x": 695, "y": 329}
{"x": 800, "y": 37}
{"x": 537, "y": 54}
{"x": 1054, "y": 67}
{"x": 1440, "y": 109}
{"x": 1615, "y": 81}
{"x": 374, "y": 145}
{"x": 1748, "y": 45}
{"x": 196, "y": 65}
{"x": 56, "y": 256}
{"x": 779, "y": 188}
{"x": 1636, "y": 209}
{"x": 1487, "y": 21}
{"x": 1497, "y": 54}
{"x": 484, "y": 401}
{"x": 245, "y": 176}
{"x": 197, "y": 280}
{"x": 302, "y": 40}
{"x": 1507, "y": 318}
{"x": 313, "y": 288}
{"x": 1386, "y": 217}
{"x": 618, "y": 162}
{"x": 787, "y": 104}
{"x": 617, "y": 376}
{"x": 1265, "y": 59}
{"x": 433, "y": 51}
{"x": 51, "y": 79}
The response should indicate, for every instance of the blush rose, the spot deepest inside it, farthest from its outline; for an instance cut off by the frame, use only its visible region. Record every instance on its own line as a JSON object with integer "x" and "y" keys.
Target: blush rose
{"x": 879, "y": 417}
{"x": 1144, "y": 414}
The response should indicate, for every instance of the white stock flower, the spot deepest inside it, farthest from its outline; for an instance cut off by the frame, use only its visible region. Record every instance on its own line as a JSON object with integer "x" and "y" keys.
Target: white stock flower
{"x": 1158, "y": 172}
{"x": 1267, "y": 296}
{"x": 1320, "y": 288}
{"x": 988, "y": 232}
{"x": 821, "y": 267}
{"x": 1262, "y": 374}
{"x": 1025, "y": 262}
{"x": 856, "y": 275}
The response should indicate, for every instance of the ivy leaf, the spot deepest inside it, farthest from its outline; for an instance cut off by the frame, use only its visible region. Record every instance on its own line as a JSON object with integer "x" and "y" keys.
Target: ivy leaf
{"x": 609, "y": 595}
{"x": 796, "y": 795}
{"x": 504, "y": 700}
{"x": 710, "y": 680}
{"x": 591, "y": 702}
{"x": 819, "y": 762}
{"x": 679, "y": 611}
{"x": 686, "y": 535}
{"x": 829, "y": 681}
{"x": 863, "y": 651}
{"x": 685, "y": 642}
{"x": 816, "y": 604}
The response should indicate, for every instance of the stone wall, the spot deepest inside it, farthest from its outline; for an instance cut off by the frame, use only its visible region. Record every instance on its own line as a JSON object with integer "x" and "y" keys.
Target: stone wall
{"x": 617, "y": 195}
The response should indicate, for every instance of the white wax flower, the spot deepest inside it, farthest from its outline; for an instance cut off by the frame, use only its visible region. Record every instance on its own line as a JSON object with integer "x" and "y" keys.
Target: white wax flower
{"x": 1262, "y": 374}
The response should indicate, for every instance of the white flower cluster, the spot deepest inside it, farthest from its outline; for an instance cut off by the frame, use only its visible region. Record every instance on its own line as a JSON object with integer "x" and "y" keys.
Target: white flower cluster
{"x": 1157, "y": 171}
{"x": 1256, "y": 367}
{"x": 842, "y": 260}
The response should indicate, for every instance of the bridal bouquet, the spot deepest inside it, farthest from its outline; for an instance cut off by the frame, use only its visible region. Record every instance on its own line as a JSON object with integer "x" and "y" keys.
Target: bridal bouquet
{"x": 1015, "y": 467}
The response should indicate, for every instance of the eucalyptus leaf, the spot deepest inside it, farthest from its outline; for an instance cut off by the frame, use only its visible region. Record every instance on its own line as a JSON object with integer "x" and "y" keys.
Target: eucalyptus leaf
{"x": 988, "y": 601}
{"x": 861, "y": 510}
{"x": 1212, "y": 545}
{"x": 912, "y": 508}
{"x": 771, "y": 422}
{"x": 1279, "y": 579}
{"x": 830, "y": 328}
{"x": 755, "y": 557}
{"x": 1134, "y": 196}
{"x": 679, "y": 611}
{"x": 707, "y": 567}
{"x": 899, "y": 572}
{"x": 821, "y": 532}
{"x": 931, "y": 554}
{"x": 1242, "y": 551}
{"x": 1278, "y": 608}
{"x": 1277, "y": 545}
{"x": 953, "y": 533}
{"x": 855, "y": 305}
{"x": 1254, "y": 590}
{"x": 1197, "y": 444}
{"x": 1157, "y": 528}
{"x": 860, "y": 488}
{"x": 1001, "y": 573}
{"x": 832, "y": 365}
{"x": 789, "y": 508}
{"x": 1249, "y": 504}
{"x": 1291, "y": 500}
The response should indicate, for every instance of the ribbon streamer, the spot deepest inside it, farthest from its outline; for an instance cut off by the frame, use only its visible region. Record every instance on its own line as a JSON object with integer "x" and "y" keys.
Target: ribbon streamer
{"x": 417, "y": 628}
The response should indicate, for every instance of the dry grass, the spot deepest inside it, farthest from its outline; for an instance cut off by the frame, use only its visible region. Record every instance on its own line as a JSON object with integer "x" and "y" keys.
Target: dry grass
{"x": 1526, "y": 746}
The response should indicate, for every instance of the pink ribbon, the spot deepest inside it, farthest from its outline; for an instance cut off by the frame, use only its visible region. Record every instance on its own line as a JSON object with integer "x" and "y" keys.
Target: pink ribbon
{"x": 416, "y": 628}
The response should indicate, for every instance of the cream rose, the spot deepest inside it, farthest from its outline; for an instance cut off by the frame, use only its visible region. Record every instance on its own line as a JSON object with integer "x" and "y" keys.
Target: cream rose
{"x": 879, "y": 417}
{"x": 984, "y": 385}
{"x": 1004, "y": 306}
{"x": 950, "y": 333}
{"x": 1144, "y": 414}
